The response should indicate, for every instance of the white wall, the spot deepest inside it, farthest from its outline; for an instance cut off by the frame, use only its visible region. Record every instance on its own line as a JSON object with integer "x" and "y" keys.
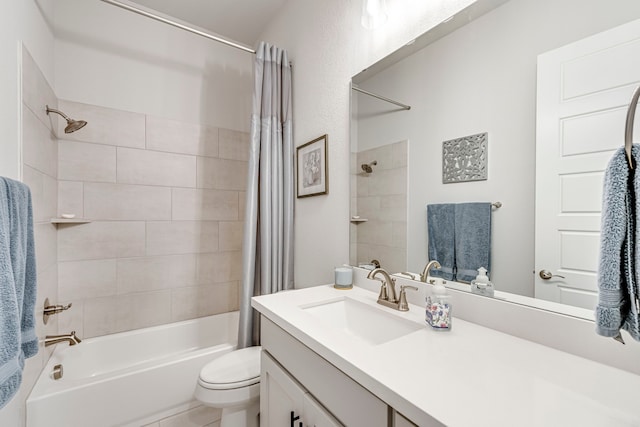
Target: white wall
{"x": 114, "y": 58}
{"x": 27, "y": 21}
{"x": 482, "y": 78}
{"x": 328, "y": 45}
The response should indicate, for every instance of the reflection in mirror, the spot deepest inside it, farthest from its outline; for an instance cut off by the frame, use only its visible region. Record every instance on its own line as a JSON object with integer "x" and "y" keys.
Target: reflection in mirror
{"x": 536, "y": 75}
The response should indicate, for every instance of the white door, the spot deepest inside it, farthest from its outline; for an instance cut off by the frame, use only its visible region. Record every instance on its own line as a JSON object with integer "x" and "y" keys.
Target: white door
{"x": 583, "y": 92}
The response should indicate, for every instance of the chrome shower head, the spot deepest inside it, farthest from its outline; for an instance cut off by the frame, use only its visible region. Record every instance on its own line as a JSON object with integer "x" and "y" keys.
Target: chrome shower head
{"x": 72, "y": 125}
{"x": 367, "y": 166}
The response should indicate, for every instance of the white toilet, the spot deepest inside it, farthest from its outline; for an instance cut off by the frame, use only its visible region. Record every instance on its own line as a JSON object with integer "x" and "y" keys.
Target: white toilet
{"x": 232, "y": 383}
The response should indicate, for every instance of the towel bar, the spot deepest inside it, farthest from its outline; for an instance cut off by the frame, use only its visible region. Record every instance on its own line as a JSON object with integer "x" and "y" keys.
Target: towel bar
{"x": 628, "y": 129}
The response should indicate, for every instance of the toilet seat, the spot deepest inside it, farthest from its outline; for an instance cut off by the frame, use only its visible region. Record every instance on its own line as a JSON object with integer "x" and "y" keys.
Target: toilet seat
{"x": 237, "y": 369}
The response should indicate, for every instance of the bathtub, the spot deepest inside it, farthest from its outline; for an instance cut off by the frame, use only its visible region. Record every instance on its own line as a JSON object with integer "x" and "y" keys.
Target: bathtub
{"x": 129, "y": 377}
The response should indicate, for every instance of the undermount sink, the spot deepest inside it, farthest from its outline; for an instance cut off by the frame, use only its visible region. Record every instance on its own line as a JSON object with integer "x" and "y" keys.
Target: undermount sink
{"x": 369, "y": 323}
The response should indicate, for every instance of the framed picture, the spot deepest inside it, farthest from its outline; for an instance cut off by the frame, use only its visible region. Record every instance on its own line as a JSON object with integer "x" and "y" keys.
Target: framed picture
{"x": 312, "y": 168}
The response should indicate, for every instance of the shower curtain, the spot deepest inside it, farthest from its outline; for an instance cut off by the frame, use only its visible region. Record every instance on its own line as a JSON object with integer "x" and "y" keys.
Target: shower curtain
{"x": 267, "y": 258}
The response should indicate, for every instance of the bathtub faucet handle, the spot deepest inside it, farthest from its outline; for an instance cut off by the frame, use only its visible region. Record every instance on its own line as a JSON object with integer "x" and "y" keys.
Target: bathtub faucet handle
{"x": 50, "y": 310}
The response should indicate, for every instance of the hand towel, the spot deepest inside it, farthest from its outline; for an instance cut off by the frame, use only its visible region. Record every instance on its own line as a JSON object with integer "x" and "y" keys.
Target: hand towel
{"x": 441, "y": 239}
{"x": 17, "y": 285}
{"x": 472, "y": 239}
{"x": 618, "y": 263}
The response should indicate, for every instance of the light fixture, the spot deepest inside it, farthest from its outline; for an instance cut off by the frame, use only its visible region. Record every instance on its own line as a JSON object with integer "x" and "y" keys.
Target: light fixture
{"x": 374, "y": 13}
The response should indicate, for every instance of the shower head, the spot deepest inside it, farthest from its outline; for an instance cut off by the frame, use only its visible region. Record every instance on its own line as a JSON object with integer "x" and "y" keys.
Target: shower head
{"x": 72, "y": 125}
{"x": 367, "y": 166}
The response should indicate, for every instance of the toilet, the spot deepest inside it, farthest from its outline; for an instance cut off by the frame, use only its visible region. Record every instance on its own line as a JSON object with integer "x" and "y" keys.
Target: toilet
{"x": 232, "y": 382}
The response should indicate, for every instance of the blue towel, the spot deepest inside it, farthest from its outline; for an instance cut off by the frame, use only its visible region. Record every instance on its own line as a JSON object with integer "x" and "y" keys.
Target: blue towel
{"x": 18, "y": 339}
{"x": 441, "y": 235}
{"x": 618, "y": 265}
{"x": 472, "y": 239}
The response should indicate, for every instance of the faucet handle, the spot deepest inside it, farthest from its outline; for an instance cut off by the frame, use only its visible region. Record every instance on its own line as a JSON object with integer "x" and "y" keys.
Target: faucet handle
{"x": 411, "y": 275}
{"x": 50, "y": 310}
{"x": 402, "y": 303}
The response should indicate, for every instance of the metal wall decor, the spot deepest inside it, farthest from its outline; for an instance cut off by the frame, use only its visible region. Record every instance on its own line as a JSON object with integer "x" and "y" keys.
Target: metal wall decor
{"x": 465, "y": 159}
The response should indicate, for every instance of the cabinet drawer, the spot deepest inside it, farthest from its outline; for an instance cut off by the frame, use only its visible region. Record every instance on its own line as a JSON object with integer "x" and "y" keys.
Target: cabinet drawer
{"x": 348, "y": 401}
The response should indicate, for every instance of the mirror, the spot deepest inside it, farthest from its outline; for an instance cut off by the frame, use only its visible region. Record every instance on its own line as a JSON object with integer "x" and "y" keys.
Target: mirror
{"x": 474, "y": 73}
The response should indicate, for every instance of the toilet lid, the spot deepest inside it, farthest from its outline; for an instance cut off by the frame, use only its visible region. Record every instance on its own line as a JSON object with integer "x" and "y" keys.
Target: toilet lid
{"x": 239, "y": 368}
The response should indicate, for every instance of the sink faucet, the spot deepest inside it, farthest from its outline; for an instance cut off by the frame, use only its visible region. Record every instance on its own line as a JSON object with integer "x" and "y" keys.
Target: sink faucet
{"x": 71, "y": 338}
{"x": 425, "y": 273}
{"x": 387, "y": 295}
{"x": 388, "y": 289}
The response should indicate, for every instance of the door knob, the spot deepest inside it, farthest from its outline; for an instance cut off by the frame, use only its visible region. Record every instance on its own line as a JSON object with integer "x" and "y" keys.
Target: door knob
{"x": 546, "y": 275}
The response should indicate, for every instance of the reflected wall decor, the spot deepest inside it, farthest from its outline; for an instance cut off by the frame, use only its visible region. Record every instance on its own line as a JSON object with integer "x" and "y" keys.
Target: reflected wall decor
{"x": 312, "y": 167}
{"x": 465, "y": 159}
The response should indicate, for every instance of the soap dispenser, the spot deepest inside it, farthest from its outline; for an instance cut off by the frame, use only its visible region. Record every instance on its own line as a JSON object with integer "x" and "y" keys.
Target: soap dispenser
{"x": 481, "y": 284}
{"x": 438, "y": 311}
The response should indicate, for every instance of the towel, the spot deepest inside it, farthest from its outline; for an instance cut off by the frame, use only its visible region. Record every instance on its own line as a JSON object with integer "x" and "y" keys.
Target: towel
{"x": 618, "y": 278}
{"x": 18, "y": 339}
{"x": 472, "y": 239}
{"x": 441, "y": 239}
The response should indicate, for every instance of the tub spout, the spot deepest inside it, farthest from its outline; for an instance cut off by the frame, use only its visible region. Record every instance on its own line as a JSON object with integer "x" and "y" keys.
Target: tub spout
{"x": 71, "y": 338}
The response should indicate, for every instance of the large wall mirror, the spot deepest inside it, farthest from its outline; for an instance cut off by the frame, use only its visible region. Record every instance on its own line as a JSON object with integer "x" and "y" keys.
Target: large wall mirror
{"x": 549, "y": 82}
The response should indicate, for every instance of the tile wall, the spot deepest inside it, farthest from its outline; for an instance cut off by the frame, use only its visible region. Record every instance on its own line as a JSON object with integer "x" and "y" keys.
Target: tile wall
{"x": 40, "y": 172}
{"x": 381, "y": 198}
{"x": 166, "y": 201}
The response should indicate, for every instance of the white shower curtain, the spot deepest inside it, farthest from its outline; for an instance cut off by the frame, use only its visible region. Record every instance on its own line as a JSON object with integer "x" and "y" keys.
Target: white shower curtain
{"x": 267, "y": 259}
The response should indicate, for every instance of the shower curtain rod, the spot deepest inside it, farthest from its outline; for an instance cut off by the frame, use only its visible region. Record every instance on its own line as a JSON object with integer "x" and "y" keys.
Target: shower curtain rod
{"x": 404, "y": 106}
{"x": 165, "y": 19}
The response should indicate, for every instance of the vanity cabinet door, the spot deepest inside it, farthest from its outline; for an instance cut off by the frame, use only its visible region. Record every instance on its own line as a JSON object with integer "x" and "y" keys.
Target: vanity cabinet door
{"x": 281, "y": 397}
{"x": 400, "y": 421}
{"x": 284, "y": 402}
{"x": 315, "y": 415}
{"x": 347, "y": 400}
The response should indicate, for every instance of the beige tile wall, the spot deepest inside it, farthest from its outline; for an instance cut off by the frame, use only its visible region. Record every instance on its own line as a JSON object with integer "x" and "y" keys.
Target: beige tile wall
{"x": 380, "y": 197}
{"x": 40, "y": 173}
{"x": 165, "y": 199}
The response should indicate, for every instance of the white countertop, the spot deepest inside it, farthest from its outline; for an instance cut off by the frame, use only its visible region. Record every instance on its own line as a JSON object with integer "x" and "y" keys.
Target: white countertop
{"x": 470, "y": 376}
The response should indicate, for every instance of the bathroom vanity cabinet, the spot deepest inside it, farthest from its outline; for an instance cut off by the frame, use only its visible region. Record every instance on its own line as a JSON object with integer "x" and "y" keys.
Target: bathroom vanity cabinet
{"x": 297, "y": 382}
{"x": 355, "y": 363}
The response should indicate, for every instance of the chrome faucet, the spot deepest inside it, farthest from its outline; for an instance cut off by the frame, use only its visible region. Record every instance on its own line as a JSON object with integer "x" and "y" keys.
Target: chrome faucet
{"x": 387, "y": 296}
{"x": 71, "y": 338}
{"x": 425, "y": 273}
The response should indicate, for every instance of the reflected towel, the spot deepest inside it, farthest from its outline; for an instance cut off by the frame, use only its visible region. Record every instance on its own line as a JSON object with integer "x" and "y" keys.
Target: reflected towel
{"x": 17, "y": 285}
{"x": 618, "y": 265}
{"x": 441, "y": 239}
{"x": 472, "y": 239}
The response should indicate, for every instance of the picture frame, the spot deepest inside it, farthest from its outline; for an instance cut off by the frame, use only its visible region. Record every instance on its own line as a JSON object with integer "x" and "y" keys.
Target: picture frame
{"x": 312, "y": 168}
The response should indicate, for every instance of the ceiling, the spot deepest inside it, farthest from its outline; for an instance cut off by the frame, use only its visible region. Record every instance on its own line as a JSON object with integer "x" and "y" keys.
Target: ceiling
{"x": 239, "y": 20}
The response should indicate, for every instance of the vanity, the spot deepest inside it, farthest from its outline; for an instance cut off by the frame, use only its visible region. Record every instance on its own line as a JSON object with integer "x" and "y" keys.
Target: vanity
{"x": 334, "y": 357}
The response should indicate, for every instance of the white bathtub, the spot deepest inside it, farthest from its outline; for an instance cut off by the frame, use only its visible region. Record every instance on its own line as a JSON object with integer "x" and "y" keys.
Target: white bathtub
{"x": 124, "y": 378}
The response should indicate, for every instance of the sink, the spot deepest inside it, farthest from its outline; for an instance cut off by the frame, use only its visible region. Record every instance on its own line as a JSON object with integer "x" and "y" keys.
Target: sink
{"x": 369, "y": 323}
